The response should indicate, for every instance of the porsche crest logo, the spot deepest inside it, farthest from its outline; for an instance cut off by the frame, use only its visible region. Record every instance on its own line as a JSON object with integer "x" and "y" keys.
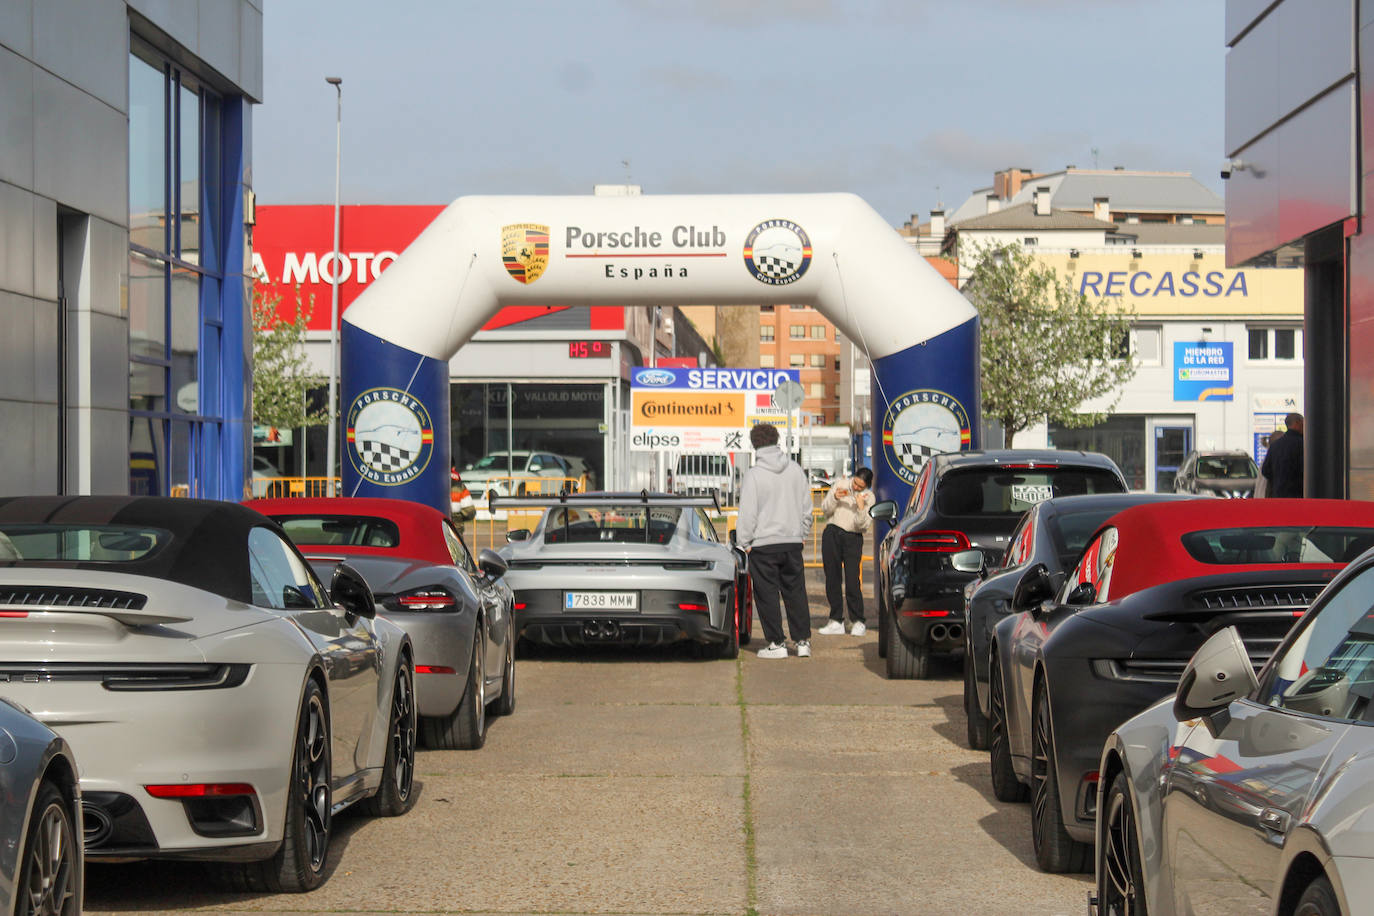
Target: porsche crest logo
{"x": 525, "y": 251}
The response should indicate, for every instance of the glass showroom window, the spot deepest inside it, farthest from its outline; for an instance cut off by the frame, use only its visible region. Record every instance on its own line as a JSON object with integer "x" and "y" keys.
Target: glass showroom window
{"x": 175, "y": 406}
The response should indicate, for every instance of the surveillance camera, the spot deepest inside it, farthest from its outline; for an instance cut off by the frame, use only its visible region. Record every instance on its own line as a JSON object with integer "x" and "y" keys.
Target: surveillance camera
{"x": 1232, "y": 165}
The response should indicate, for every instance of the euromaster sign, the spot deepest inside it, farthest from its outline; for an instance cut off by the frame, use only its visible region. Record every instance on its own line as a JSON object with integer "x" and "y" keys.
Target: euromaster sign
{"x": 701, "y": 410}
{"x": 1204, "y": 371}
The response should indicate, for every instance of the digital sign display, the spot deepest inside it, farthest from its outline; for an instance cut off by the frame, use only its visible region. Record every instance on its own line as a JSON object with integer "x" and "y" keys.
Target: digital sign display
{"x": 589, "y": 349}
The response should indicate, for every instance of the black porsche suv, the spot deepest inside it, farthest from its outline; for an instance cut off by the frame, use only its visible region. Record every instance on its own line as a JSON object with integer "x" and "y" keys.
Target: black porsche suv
{"x": 962, "y": 501}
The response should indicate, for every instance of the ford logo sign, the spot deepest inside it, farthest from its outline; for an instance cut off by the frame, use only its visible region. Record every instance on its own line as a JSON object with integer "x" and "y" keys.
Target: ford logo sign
{"x": 656, "y": 378}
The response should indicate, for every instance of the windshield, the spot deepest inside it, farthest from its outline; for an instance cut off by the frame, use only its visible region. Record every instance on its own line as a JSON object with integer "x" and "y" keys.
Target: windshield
{"x": 80, "y": 543}
{"x": 1011, "y": 491}
{"x": 615, "y": 524}
{"x": 1071, "y": 531}
{"x": 343, "y": 530}
{"x": 1230, "y": 466}
{"x": 1229, "y": 546}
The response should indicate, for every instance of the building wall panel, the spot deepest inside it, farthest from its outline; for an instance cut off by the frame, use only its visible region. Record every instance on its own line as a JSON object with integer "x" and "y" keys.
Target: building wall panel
{"x": 1316, "y": 165}
{"x": 16, "y": 240}
{"x": 1252, "y": 204}
{"x": 86, "y": 43}
{"x": 221, "y": 36}
{"x": 81, "y": 150}
{"x": 16, "y": 348}
{"x": 16, "y": 118}
{"x": 108, "y": 360}
{"x": 1252, "y": 85}
{"x": 1241, "y": 13}
{"x": 1360, "y": 394}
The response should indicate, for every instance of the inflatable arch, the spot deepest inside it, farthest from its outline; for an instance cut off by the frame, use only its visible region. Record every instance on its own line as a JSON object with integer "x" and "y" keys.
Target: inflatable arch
{"x": 829, "y": 251}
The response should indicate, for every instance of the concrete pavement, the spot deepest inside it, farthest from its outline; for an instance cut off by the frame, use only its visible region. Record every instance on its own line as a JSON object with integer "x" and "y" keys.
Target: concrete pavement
{"x": 631, "y": 782}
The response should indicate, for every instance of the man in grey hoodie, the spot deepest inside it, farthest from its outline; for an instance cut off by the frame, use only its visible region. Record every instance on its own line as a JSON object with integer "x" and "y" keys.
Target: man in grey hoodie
{"x": 774, "y": 521}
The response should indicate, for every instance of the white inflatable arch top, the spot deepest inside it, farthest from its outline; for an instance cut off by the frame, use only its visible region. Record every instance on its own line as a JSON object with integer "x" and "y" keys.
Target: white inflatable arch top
{"x": 829, "y": 251}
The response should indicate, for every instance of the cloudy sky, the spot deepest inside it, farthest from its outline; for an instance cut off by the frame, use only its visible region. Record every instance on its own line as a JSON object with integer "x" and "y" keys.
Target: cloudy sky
{"x": 904, "y": 102}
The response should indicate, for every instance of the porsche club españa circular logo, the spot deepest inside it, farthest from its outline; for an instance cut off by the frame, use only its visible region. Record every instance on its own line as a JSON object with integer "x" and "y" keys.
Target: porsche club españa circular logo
{"x": 919, "y": 424}
{"x": 777, "y": 252}
{"x": 390, "y": 436}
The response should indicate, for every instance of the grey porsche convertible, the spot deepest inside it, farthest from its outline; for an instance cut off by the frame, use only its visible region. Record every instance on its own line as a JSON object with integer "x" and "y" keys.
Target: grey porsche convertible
{"x": 642, "y": 569}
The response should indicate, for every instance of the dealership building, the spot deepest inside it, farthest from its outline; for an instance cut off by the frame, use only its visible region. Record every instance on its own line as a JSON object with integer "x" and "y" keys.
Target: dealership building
{"x": 124, "y": 183}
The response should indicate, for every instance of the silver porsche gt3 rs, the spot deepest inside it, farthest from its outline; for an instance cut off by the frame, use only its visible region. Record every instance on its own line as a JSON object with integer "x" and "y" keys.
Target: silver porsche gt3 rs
{"x": 632, "y": 568}
{"x": 223, "y": 705}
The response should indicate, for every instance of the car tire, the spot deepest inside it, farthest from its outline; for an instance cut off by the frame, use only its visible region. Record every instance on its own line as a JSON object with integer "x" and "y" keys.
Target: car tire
{"x": 505, "y": 703}
{"x": 905, "y": 660}
{"x": 746, "y": 626}
{"x": 1005, "y": 786}
{"x": 1319, "y": 899}
{"x": 49, "y": 880}
{"x": 883, "y": 614}
{"x": 466, "y": 727}
{"x": 1120, "y": 881}
{"x": 977, "y": 723}
{"x": 730, "y": 647}
{"x": 1055, "y": 851}
{"x": 299, "y": 864}
{"x": 396, "y": 795}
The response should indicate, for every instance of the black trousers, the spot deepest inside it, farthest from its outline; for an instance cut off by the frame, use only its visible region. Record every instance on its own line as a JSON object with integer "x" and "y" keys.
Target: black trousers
{"x": 841, "y": 553}
{"x": 776, "y": 570}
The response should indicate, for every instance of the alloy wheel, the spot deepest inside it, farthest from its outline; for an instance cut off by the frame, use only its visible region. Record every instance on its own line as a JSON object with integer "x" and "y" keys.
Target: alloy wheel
{"x": 1119, "y": 856}
{"x": 403, "y": 734}
{"x": 1040, "y": 765}
{"x": 313, "y": 779}
{"x": 50, "y": 888}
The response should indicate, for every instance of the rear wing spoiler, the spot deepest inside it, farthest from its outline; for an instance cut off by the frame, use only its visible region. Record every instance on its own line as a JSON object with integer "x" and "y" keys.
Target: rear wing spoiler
{"x": 643, "y": 497}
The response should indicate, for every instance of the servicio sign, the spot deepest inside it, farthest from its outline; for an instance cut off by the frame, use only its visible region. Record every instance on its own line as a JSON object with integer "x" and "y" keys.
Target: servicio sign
{"x": 701, "y": 410}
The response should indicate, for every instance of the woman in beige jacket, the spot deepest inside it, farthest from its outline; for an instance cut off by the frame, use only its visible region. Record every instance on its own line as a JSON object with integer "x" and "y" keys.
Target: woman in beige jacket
{"x": 845, "y": 508}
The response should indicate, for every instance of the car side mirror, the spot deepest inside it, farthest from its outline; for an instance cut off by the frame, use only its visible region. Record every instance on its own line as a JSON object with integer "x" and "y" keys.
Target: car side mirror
{"x": 734, "y": 538}
{"x": 518, "y": 534}
{"x": 492, "y": 563}
{"x": 885, "y": 510}
{"x": 968, "y": 561}
{"x": 1082, "y": 594}
{"x": 350, "y": 591}
{"x": 1219, "y": 673}
{"x": 1035, "y": 586}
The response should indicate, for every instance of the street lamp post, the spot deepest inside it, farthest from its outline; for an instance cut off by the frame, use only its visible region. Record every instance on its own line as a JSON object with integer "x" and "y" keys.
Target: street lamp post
{"x": 330, "y": 450}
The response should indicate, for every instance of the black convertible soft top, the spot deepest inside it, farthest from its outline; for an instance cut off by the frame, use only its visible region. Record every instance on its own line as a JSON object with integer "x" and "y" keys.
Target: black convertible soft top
{"x": 208, "y": 549}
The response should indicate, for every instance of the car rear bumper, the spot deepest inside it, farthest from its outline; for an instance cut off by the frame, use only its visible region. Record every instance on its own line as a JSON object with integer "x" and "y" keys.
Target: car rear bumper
{"x": 664, "y": 616}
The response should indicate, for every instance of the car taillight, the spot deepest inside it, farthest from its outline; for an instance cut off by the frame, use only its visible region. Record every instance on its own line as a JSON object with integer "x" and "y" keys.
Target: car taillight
{"x": 14, "y": 613}
{"x": 200, "y": 789}
{"x": 520, "y": 605}
{"x": 930, "y": 612}
{"x": 426, "y": 599}
{"x": 692, "y": 607}
{"x": 935, "y": 542}
{"x": 434, "y": 669}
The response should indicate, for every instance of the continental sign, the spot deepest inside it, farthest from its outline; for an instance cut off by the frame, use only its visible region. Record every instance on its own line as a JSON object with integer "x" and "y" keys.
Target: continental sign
{"x": 687, "y": 408}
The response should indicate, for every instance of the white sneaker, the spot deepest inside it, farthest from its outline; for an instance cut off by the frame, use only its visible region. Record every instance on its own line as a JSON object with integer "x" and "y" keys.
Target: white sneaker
{"x": 859, "y": 629}
{"x": 773, "y": 650}
{"x": 804, "y": 648}
{"x": 833, "y": 628}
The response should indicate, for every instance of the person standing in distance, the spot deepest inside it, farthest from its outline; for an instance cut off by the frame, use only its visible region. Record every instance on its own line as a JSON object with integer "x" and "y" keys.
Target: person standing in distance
{"x": 774, "y": 522}
{"x": 845, "y": 506}
{"x": 1282, "y": 466}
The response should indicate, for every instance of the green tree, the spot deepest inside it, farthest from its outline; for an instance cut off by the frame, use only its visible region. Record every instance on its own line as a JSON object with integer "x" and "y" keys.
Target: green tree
{"x": 1046, "y": 347}
{"x": 281, "y": 373}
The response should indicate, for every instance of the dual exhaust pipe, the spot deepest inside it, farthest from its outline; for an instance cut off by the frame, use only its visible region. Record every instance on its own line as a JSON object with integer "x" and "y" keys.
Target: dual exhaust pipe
{"x": 600, "y": 630}
{"x": 941, "y": 632}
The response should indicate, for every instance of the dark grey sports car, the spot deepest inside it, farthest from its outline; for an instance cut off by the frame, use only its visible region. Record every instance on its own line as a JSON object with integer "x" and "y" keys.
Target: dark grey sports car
{"x": 1052, "y": 533}
{"x": 40, "y": 818}
{"x": 1153, "y": 583}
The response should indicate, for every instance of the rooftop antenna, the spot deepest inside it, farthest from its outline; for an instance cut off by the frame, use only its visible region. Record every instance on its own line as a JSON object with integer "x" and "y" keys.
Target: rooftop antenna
{"x": 939, "y": 204}
{"x": 626, "y": 163}
{"x": 1094, "y": 152}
